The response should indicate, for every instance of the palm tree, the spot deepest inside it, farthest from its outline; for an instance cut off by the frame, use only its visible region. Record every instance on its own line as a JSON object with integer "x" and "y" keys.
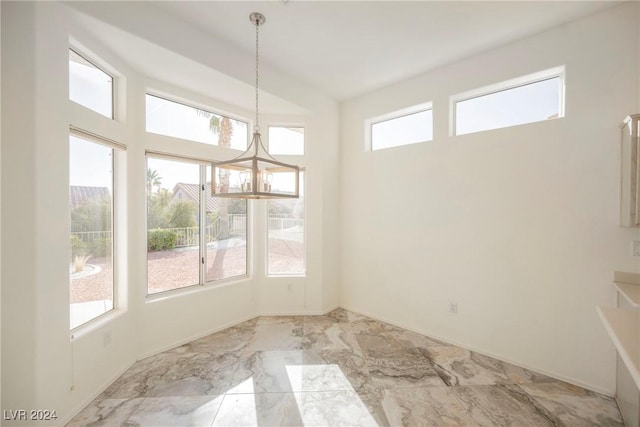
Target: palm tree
{"x": 219, "y": 125}
{"x": 153, "y": 180}
{"x": 223, "y": 127}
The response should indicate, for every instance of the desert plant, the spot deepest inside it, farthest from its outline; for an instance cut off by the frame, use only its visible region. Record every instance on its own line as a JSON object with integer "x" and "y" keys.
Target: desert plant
{"x": 79, "y": 262}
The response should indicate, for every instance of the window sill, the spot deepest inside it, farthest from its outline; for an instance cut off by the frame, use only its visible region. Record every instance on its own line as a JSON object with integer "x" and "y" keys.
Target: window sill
{"x": 195, "y": 289}
{"x": 96, "y": 323}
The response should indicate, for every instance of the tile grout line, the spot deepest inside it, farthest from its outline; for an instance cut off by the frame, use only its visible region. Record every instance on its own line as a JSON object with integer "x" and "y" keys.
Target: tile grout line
{"x": 213, "y": 420}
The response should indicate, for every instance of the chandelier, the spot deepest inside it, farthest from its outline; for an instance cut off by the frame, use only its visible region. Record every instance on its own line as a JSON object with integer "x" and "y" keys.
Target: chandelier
{"x": 255, "y": 174}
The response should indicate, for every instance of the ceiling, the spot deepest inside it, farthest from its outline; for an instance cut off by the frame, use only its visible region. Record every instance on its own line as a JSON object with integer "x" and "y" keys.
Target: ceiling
{"x": 349, "y": 48}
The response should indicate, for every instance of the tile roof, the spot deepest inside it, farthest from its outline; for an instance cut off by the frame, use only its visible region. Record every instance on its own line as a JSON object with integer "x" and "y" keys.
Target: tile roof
{"x": 192, "y": 191}
{"x": 79, "y": 194}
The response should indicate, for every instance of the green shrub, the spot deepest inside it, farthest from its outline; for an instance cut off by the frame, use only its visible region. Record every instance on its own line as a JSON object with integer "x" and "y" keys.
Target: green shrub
{"x": 99, "y": 247}
{"x": 78, "y": 246}
{"x": 160, "y": 240}
{"x": 183, "y": 214}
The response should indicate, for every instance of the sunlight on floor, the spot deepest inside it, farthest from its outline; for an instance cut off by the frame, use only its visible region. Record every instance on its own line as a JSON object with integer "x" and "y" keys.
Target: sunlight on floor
{"x": 329, "y": 396}
{"x": 243, "y": 387}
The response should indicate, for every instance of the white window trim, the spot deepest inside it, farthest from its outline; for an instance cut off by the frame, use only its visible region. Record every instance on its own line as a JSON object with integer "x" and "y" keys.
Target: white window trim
{"x": 397, "y": 114}
{"x": 551, "y": 73}
{"x": 203, "y": 283}
{"x": 98, "y": 139}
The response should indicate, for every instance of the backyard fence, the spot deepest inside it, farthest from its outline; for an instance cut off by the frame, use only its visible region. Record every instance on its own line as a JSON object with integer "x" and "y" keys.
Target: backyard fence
{"x": 283, "y": 223}
{"x": 190, "y": 236}
{"x": 92, "y": 236}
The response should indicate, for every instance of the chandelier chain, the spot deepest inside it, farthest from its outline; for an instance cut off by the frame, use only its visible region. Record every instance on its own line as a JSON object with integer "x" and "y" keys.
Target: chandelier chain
{"x": 257, "y": 126}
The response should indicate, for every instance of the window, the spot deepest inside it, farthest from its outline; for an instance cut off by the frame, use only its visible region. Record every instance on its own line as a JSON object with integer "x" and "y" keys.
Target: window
{"x": 226, "y": 236}
{"x": 91, "y": 267}
{"x": 286, "y": 140}
{"x": 286, "y": 231}
{"x": 525, "y": 100}
{"x": 90, "y": 86}
{"x": 171, "y": 118}
{"x": 192, "y": 237}
{"x": 408, "y": 126}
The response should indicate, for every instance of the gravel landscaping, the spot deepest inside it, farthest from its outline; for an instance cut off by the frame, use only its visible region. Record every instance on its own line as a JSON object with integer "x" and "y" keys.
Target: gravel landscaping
{"x": 179, "y": 267}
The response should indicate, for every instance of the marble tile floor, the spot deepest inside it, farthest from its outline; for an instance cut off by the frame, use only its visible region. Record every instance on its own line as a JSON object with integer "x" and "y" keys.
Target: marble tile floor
{"x": 341, "y": 369}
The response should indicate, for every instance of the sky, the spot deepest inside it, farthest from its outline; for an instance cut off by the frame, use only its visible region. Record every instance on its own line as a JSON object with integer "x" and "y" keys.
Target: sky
{"x": 90, "y": 164}
{"x": 506, "y": 108}
{"x": 93, "y": 88}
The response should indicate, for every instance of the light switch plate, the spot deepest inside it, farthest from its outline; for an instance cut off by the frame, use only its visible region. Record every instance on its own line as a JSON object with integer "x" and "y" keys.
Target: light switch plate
{"x": 636, "y": 248}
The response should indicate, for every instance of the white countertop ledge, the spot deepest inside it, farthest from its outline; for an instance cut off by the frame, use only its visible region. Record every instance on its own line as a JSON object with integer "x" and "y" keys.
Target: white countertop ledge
{"x": 623, "y": 326}
{"x": 628, "y": 284}
{"x": 631, "y": 293}
{"x": 624, "y": 277}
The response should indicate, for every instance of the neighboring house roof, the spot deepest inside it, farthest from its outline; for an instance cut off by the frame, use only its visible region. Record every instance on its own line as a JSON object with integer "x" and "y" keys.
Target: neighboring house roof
{"x": 79, "y": 194}
{"x": 192, "y": 192}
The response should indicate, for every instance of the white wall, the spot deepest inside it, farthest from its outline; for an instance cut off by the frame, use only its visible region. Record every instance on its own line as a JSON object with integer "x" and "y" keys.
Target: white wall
{"x": 0, "y": 208}
{"x": 519, "y": 226}
{"x": 46, "y": 368}
{"x": 43, "y": 367}
{"x": 18, "y": 365}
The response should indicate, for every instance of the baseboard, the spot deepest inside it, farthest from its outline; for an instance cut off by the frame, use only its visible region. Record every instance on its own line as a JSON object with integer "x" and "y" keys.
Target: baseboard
{"x": 196, "y": 337}
{"x": 231, "y": 324}
{"x": 297, "y": 313}
{"x": 333, "y": 307}
{"x": 484, "y": 352}
{"x": 85, "y": 402}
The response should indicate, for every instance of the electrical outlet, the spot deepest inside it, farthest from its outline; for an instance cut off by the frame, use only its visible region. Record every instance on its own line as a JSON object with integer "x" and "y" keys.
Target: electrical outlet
{"x": 635, "y": 248}
{"x": 453, "y": 307}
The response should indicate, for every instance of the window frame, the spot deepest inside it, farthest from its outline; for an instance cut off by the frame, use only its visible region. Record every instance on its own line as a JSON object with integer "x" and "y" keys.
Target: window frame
{"x": 202, "y": 266}
{"x": 115, "y": 147}
{"x": 393, "y": 115}
{"x": 506, "y": 85}
{"x": 113, "y": 84}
